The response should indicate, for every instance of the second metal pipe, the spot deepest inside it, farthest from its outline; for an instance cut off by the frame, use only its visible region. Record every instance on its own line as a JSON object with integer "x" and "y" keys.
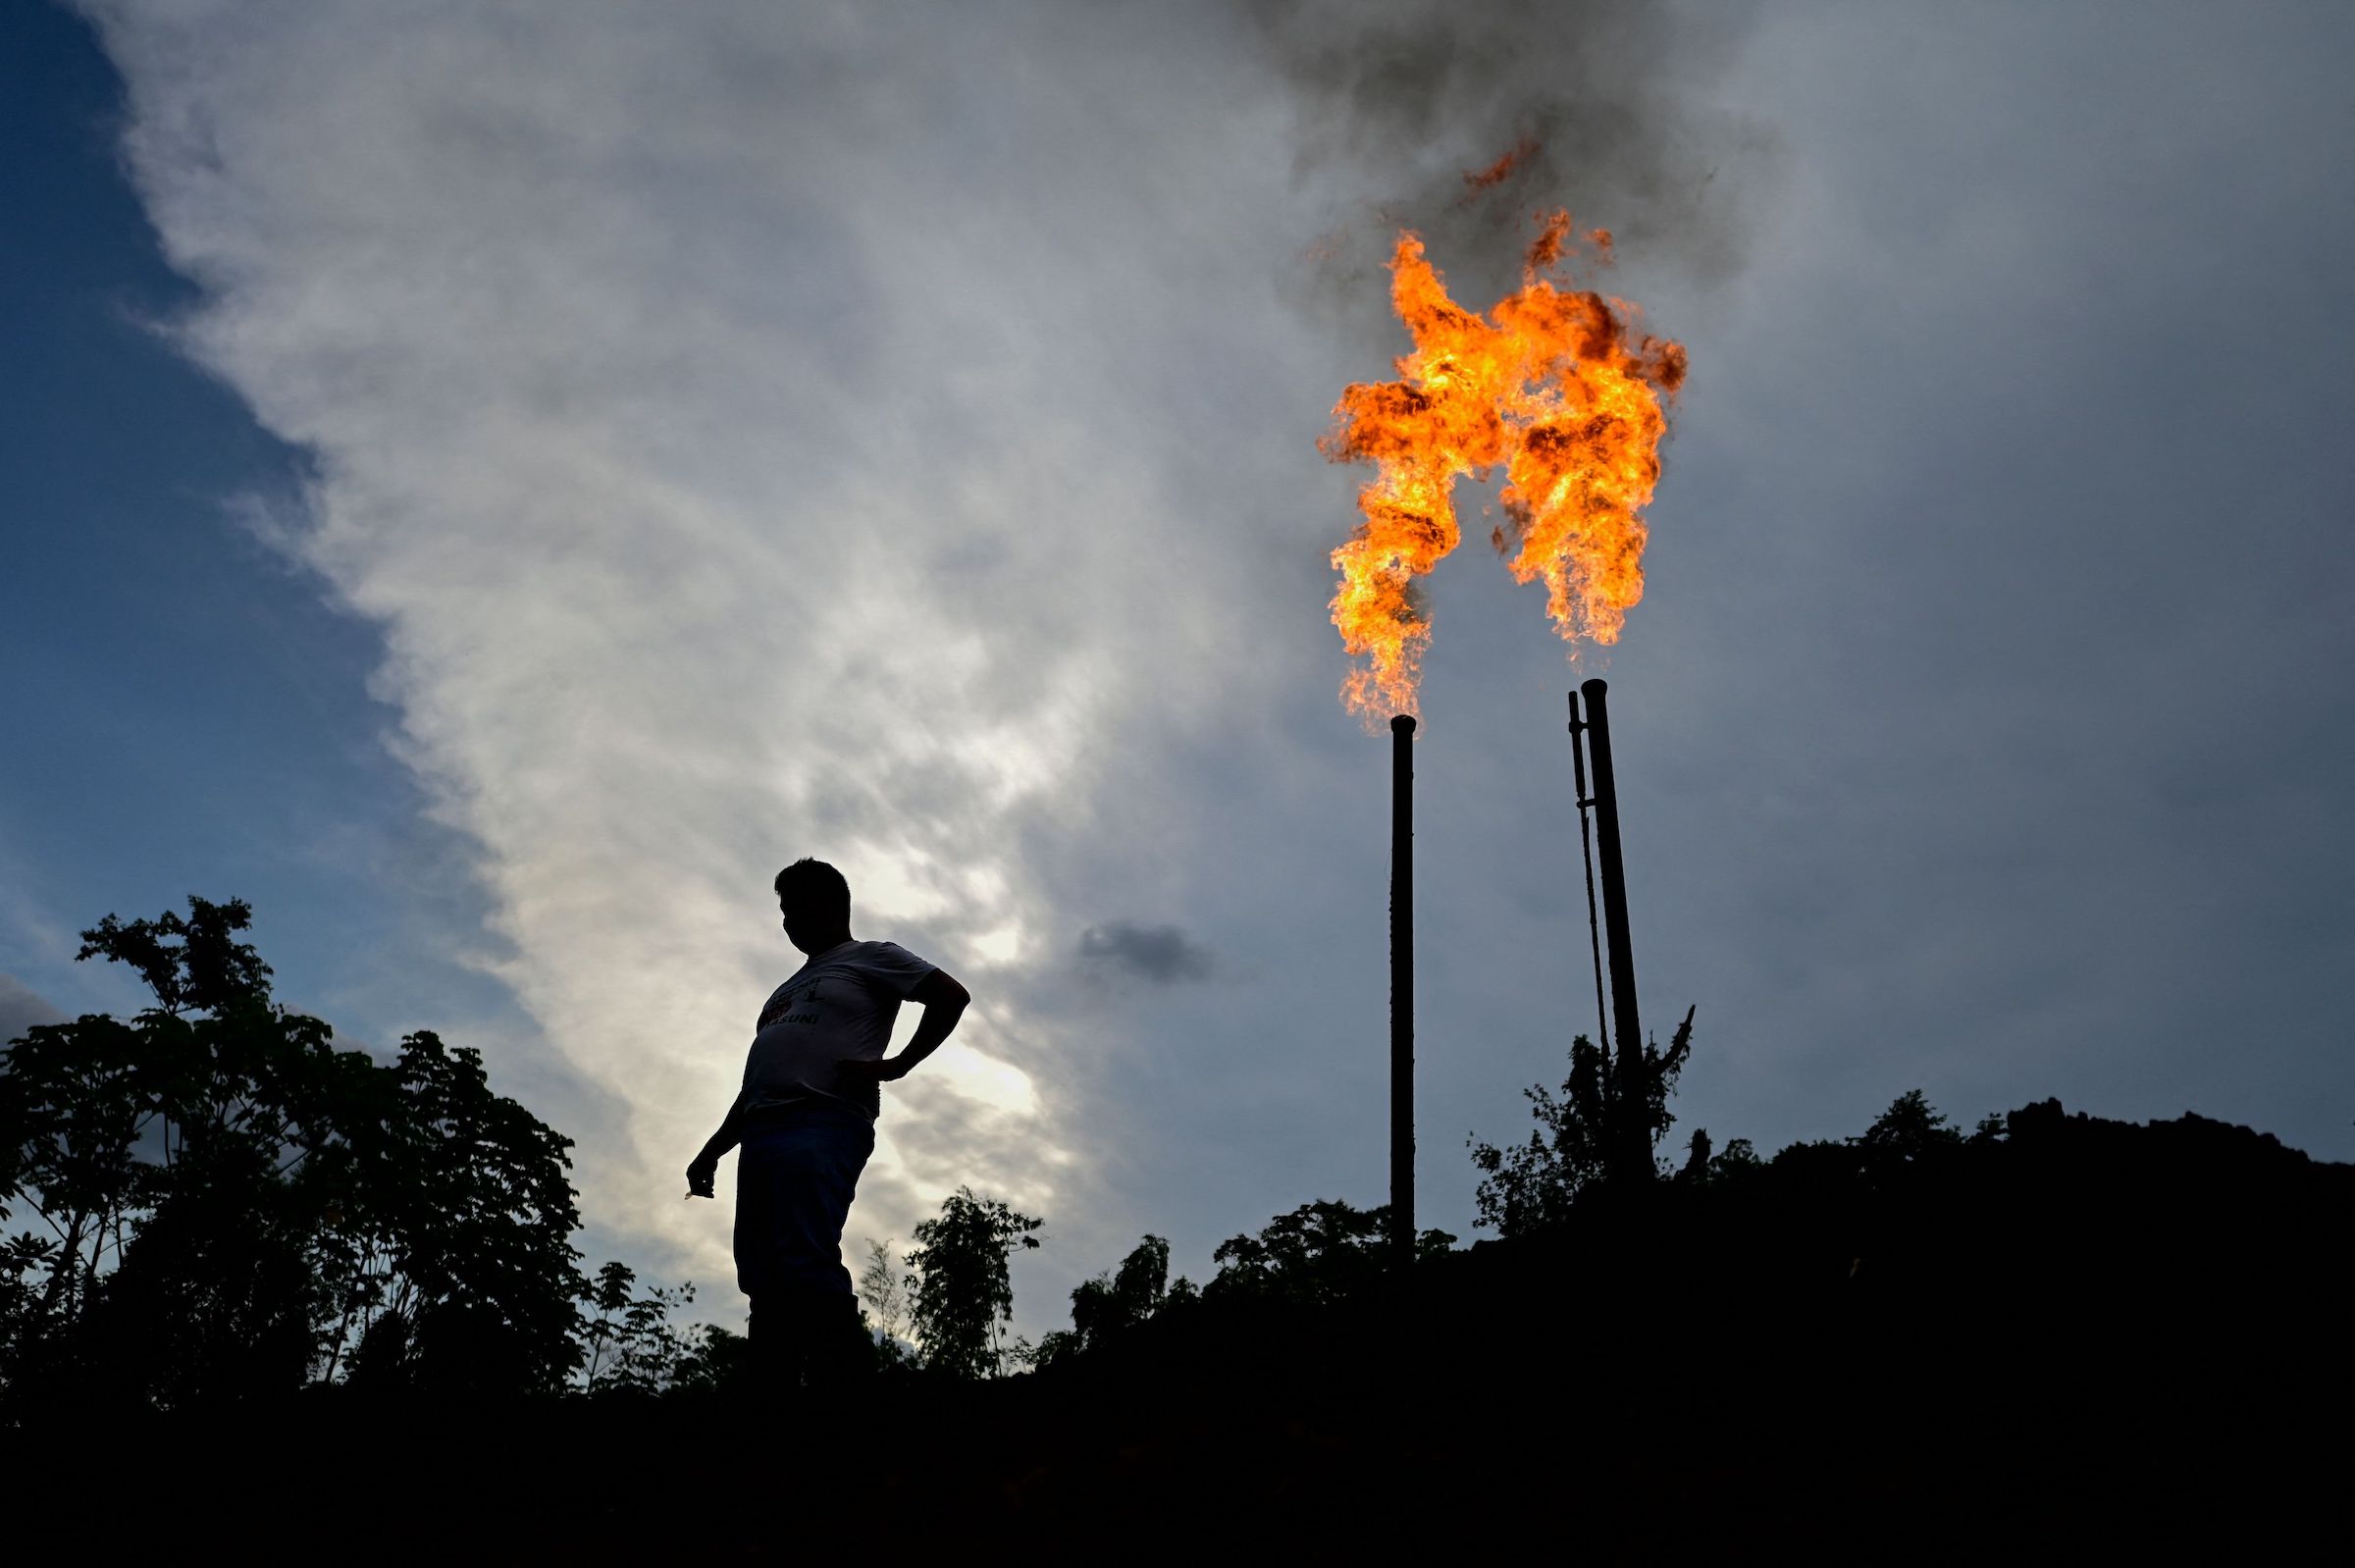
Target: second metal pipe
{"x": 1402, "y": 989}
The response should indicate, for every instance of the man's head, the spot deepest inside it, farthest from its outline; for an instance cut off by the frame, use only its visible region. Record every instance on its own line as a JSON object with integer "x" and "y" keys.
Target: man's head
{"x": 817, "y": 903}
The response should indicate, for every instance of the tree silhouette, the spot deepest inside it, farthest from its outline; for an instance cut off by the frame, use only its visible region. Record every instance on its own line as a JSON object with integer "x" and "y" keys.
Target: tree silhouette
{"x": 225, "y": 1205}
{"x": 632, "y": 1344}
{"x": 1319, "y": 1254}
{"x": 960, "y": 1287}
{"x": 1907, "y": 1132}
{"x": 170, "y": 1160}
{"x": 1531, "y": 1187}
{"x": 884, "y": 1303}
{"x": 1111, "y": 1304}
{"x": 715, "y": 1360}
{"x": 1114, "y": 1303}
{"x": 463, "y": 1217}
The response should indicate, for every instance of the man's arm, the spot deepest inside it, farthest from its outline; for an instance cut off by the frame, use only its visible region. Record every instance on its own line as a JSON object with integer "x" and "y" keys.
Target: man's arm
{"x": 705, "y": 1169}
{"x": 943, "y": 1001}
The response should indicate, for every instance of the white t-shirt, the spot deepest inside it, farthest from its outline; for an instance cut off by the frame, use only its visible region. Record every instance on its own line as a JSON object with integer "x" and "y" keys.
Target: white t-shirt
{"x": 841, "y": 1004}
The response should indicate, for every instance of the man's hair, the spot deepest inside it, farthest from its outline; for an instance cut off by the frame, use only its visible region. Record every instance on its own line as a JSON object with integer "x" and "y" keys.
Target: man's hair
{"x": 815, "y": 889}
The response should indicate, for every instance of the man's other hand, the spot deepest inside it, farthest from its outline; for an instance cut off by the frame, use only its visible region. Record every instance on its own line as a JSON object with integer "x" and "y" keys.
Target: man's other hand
{"x": 699, "y": 1178}
{"x": 864, "y": 1070}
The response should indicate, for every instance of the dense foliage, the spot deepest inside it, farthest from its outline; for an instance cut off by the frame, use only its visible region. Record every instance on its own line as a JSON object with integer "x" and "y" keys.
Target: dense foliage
{"x": 961, "y": 1291}
{"x": 1584, "y": 1130}
{"x": 631, "y": 1339}
{"x": 1320, "y": 1253}
{"x": 1116, "y": 1303}
{"x": 216, "y": 1203}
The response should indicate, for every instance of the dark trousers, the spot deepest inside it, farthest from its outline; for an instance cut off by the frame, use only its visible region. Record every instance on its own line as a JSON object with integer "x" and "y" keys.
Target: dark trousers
{"x": 796, "y": 1177}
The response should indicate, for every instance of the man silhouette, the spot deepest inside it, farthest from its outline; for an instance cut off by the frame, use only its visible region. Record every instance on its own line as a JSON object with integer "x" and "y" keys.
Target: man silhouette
{"x": 805, "y": 1118}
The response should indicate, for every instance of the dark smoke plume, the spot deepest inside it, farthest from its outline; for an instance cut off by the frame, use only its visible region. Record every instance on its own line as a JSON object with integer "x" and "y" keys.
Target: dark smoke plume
{"x": 1461, "y": 120}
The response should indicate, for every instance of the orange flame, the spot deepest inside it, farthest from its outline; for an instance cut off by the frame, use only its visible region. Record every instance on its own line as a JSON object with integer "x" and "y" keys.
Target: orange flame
{"x": 1551, "y": 384}
{"x": 1497, "y": 174}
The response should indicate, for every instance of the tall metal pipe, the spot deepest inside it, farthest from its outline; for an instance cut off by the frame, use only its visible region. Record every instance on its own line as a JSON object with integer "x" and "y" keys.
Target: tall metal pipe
{"x": 1627, "y": 1032}
{"x": 1585, "y": 853}
{"x": 1402, "y": 990}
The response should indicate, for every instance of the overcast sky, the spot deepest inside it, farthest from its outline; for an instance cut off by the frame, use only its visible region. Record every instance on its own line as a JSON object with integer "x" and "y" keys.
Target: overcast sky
{"x": 490, "y": 484}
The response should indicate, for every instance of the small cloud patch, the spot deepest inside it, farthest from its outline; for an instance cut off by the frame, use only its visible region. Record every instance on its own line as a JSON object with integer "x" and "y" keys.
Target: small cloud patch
{"x": 1162, "y": 954}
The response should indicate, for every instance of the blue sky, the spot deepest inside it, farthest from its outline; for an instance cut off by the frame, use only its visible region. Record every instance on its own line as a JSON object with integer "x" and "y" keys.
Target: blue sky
{"x": 193, "y": 716}
{"x": 488, "y": 493}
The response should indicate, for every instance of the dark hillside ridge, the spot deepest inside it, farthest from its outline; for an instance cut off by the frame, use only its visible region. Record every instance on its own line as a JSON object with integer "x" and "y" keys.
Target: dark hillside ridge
{"x": 2079, "y": 1332}
{"x": 2070, "y": 1229}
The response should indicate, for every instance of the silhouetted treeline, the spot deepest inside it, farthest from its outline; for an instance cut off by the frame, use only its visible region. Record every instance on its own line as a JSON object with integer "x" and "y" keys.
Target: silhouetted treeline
{"x": 2052, "y": 1333}
{"x": 2037, "y": 1203}
{"x": 209, "y": 1202}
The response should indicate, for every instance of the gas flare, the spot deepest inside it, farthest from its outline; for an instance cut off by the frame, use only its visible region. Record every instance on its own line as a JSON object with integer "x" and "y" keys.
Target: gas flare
{"x": 1553, "y": 386}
